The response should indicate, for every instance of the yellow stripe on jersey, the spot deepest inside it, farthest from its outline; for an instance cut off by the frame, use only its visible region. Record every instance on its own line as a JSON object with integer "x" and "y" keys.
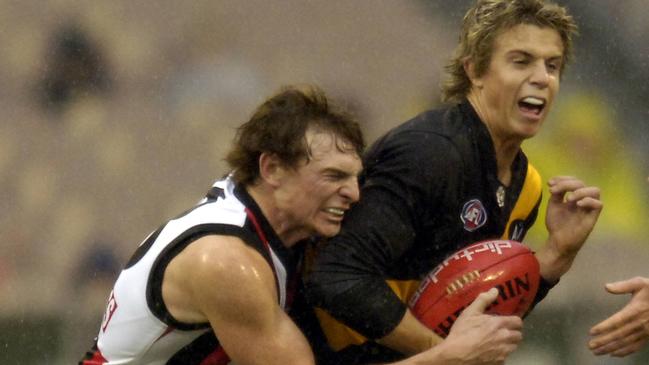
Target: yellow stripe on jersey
{"x": 527, "y": 200}
{"x": 340, "y": 336}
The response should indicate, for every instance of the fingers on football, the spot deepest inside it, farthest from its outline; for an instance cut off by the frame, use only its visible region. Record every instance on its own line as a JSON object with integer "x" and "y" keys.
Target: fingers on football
{"x": 512, "y": 323}
{"x": 511, "y": 335}
{"x": 506, "y": 329}
{"x": 482, "y": 301}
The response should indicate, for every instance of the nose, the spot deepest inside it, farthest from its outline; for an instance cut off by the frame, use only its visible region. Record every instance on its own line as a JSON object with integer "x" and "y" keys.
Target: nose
{"x": 540, "y": 76}
{"x": 350, "y": 190}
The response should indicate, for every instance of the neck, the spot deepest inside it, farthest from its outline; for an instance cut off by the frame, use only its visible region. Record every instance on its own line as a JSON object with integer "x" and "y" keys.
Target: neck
{"x": 505, "y": 155}
{"x": 279, "y": 220}
{"x": 506, "y": 148}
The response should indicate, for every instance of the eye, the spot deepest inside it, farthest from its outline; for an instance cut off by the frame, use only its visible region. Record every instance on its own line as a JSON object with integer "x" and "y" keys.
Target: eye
{"x": 520, "y": 61}
{"x": 553, "y": 66}
{"x": 335, "y": 176}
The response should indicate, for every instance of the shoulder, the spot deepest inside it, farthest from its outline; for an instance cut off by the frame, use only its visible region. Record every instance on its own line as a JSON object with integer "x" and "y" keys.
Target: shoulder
{"x": 419, "y": 160}
{"x": 429, "y": 134}
{"x": 422, "y": 147}
{"x": 216, "y": 256}
{"x": 224, "y": 273}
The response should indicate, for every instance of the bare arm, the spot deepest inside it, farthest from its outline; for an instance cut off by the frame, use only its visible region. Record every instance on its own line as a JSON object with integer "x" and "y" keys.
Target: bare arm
{"x": 572, "y": 212}
{"x": 626, "y": 331}
{"x": 475, "y": 338}
{"x": 234, "y": 288}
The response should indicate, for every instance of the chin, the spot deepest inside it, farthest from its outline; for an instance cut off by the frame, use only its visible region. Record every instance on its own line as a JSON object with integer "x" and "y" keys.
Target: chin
{"x": 528, "y": 135}
{"x": 528, "y": 131}
{"x": 329, "y": 231}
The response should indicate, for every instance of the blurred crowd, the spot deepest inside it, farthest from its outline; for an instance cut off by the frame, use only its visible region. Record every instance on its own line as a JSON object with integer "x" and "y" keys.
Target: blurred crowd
{"x": 116, "y": 114}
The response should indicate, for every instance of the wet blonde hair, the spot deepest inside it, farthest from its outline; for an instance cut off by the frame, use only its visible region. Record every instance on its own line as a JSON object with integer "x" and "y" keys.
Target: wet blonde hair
{"x": 485, "y": 21}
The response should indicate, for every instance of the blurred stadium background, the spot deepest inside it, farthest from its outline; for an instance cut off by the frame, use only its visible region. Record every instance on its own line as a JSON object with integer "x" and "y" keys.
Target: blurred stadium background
{"x": 116, "y": 114}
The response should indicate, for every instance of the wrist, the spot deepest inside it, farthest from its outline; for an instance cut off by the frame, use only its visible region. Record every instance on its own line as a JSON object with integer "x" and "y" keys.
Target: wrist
{"x": 554, "y": 262}
{"x": 438, "y": 355}
{"x": 448, "y": 353}
{"x": 434, "y": 340}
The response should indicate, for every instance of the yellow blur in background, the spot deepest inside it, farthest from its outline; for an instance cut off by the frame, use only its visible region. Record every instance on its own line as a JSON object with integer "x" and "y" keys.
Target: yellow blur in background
{"x": 580, "y": 139}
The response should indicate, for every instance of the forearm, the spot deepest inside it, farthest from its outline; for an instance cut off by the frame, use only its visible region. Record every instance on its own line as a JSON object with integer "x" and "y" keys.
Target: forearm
{"x": 410, "y": 336}
{"x": 553, "y": 262}
{"x": 552, "y": 266}
{"x": 435, "y": 356}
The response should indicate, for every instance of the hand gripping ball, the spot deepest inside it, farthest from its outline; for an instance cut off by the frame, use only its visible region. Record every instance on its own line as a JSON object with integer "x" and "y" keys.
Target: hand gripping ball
{"x": 509, "y": 266}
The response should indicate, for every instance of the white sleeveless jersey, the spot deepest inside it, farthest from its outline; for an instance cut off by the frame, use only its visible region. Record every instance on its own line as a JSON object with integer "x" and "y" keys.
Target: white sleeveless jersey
{"x": 137, "y": 328}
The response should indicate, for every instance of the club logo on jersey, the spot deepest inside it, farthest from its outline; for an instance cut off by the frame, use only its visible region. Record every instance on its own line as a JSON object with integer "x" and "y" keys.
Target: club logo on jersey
{"x": 473, "y": 215}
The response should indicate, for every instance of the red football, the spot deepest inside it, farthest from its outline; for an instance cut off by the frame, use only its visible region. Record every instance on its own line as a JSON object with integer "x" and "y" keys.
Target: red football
{"x": 509, "y": 266}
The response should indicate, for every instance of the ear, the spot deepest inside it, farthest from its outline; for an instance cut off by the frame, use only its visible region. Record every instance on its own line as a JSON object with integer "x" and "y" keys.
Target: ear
{"x": 469, "y": 69}
{"x": 271, "y": 170}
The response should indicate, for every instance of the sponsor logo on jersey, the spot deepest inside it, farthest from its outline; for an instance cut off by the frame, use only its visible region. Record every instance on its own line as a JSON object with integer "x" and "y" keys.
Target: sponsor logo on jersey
{"x": 473, "y": 215}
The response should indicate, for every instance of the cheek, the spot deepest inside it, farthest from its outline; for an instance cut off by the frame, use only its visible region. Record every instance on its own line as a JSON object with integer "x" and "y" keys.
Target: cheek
{"x": 311, "y": 198}
{"x": 554, "y": 90}
{"x": 502, "y": 91}
{"x": 554, "y": 87}
{"x": 499, "y": 101}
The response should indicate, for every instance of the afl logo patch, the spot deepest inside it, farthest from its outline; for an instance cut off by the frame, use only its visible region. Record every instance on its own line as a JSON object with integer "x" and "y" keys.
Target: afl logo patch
{"x": 473, "y": 215}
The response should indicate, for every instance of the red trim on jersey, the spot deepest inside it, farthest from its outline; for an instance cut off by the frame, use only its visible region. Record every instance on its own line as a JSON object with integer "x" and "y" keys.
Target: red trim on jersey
{"x": 218, "y": 357}
{"x": 166, "y": 332}
{"x": 96, "y": 359}
{"x": 260, "y": 233}
{"x": 291, "y": 286}
{"x": 262, "y": 236}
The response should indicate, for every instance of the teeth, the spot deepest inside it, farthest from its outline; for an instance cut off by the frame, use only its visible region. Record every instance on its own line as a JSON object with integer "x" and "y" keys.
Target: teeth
{"x": 335, "y": 211}
{"x": 534, "y": 101}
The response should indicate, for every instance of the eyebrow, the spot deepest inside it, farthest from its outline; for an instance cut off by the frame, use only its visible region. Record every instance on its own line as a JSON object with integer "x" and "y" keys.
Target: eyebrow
{"x": 530, "y": 55}
{"x": 335, "y": 170}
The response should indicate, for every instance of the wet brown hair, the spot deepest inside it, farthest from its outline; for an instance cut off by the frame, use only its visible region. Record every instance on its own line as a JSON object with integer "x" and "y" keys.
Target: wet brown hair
{"x": 279, "y": 126}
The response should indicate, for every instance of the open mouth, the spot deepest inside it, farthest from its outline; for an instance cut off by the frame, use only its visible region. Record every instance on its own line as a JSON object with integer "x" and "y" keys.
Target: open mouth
{"x": 531, "y": 105}
{"x": 336, "y": 211}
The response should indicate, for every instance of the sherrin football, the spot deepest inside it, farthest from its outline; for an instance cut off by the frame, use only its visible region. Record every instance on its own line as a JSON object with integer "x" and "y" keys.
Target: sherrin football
{"x": 509, "y": 266}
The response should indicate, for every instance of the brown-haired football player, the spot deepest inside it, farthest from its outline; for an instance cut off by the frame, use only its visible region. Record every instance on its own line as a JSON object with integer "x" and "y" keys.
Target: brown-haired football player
{"x": 212, "y": 286}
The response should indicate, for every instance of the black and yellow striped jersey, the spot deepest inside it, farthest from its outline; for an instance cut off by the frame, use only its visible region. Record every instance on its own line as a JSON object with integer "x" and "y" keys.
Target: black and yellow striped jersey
{"x": 429, "y": 187}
